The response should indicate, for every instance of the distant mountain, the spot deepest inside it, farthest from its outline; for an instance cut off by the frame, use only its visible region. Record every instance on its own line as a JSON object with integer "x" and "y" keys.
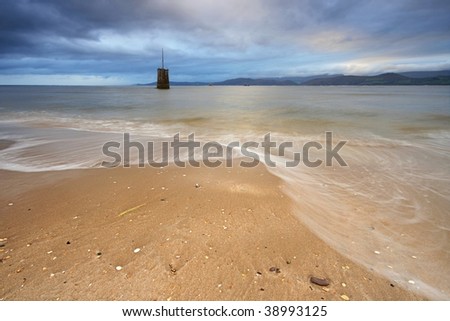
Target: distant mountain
{"x": 270, "y": 81}
{"x": 300, "y": 80}
{"x": 425, "y": 74}
{"x": 388, "y": 79}
{"x": 256, "y": 82}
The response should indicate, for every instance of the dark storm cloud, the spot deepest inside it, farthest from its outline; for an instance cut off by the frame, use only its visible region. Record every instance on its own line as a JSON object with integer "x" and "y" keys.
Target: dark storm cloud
{"x": 24, "y": 22}
{"x": 221, "y": 38}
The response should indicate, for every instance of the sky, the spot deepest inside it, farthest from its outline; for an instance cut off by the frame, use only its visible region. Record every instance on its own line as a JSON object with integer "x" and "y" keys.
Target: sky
{"x": 115, "y": 42}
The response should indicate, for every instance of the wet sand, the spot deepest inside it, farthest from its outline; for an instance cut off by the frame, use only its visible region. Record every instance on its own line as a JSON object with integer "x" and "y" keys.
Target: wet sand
{"x": 5, "y": 143}
{"x": 167, "y": 234}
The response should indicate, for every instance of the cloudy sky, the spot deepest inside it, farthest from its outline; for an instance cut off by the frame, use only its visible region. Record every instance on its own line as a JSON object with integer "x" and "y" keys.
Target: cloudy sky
{"x": 119, "y": 42}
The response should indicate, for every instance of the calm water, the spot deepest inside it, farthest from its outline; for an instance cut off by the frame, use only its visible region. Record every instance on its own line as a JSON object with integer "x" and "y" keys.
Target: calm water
{"x": 389, "y": 209}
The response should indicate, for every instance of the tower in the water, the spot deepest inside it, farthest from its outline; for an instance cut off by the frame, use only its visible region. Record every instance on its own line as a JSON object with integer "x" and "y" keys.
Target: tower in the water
{"x": 163, "y": 75}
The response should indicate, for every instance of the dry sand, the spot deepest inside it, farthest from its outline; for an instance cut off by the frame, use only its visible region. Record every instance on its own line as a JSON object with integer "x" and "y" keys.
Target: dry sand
{"x": 167, "y": 234}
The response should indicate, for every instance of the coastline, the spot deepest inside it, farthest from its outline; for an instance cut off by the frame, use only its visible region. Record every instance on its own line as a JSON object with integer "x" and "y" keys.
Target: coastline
{"x": 167, "y": 234}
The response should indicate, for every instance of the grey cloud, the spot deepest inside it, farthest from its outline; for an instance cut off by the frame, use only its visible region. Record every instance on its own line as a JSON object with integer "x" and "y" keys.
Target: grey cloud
{"x": 104, "y": 37}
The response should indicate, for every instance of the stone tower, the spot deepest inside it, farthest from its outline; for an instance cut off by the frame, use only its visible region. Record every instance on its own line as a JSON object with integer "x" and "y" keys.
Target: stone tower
{"x": 163, "y": 75}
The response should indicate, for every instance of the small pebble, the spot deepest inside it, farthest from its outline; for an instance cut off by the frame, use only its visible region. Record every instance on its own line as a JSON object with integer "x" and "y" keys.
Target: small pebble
{"x": 197, "y": 185}
{"x": 118, "y": 268}
{"x": 275, "y": 269}
{"x": 344, "y": 297}
{"x": 319, "y": 281}
{"x": 411, "y": 282}
{"x": 376, "y": 252}
{"x": 137, "y": 250}
{"x": 10, "y": 204}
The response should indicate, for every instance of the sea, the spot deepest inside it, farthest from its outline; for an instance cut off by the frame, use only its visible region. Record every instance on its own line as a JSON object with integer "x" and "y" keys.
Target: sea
{"x": 384, "y": 204}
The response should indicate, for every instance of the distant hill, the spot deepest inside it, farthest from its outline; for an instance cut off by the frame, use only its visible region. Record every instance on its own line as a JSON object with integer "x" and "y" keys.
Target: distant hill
{"x": 425, "y": 74}
{"x": 388, "y": 79}
{"x": 270, "y": 81}
{"x": 235, "y": 82}
{"x": 256, "y": 82}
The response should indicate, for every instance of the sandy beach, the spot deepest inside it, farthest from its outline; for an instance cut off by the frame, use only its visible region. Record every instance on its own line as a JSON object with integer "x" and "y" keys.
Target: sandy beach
{"x": 167, "y": 234}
